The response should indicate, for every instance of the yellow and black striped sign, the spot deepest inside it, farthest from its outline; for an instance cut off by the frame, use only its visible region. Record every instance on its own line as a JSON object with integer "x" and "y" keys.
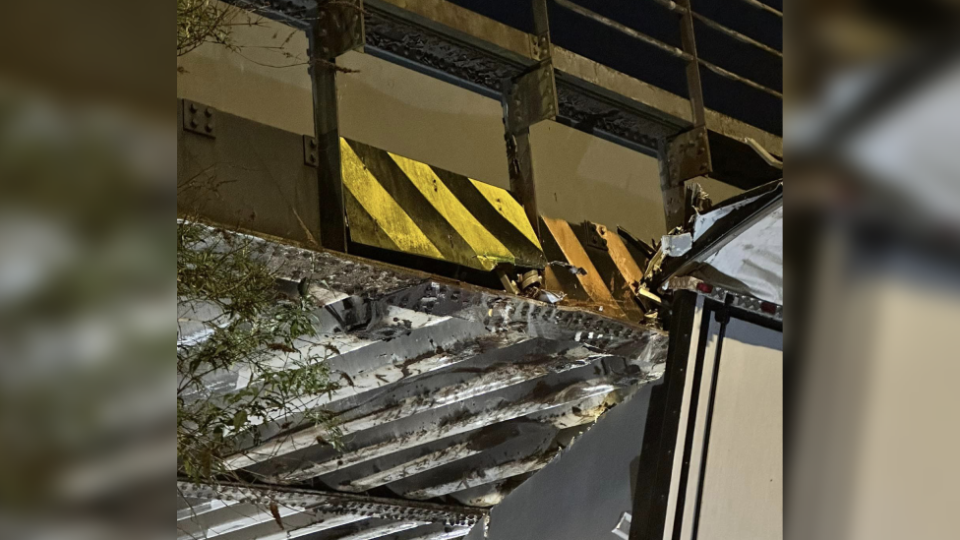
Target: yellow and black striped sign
{"x": 399, "y": 204}
{"x": 600, "y": 272}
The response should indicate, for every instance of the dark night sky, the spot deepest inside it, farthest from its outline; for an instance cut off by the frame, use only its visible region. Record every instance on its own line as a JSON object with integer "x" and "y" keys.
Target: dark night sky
{"x": 598, "y": 42}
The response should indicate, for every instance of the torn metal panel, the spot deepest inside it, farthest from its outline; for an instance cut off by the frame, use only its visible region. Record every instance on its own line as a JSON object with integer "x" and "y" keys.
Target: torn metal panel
{"x": 593, "y": 267}
{"x": 753, "y": 261}
{"x": 350, "y": 339}
{"x": 439, "y": 380}
{"x": 503, "y": 314}
{"x": 578, "y": 413}
{"x": 387, "y": 441}
{"x": 738, "y": 245}
{"x": 598, "y": 470}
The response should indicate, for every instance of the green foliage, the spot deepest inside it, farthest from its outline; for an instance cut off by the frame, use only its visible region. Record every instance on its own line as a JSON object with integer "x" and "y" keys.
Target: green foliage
{"x": 244, "y": 323}
{"x": 202, "y": 21}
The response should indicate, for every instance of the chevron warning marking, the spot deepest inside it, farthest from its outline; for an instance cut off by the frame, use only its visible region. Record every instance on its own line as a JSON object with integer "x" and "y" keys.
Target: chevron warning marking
{"x": 381, "y": 206}
{"x": 400, "y": 204}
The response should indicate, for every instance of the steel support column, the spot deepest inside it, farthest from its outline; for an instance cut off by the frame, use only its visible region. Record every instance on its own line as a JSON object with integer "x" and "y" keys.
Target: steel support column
{"x": 686, "y": 155}
{"x": 339, "y": 28}
{"x": 528, "y": 99}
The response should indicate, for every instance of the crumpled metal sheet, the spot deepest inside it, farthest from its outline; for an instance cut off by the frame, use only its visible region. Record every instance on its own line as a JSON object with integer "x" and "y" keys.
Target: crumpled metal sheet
{"x": 754, "y": 259}
{"x": 738, "y": 246}
{"x": 449, "y": 392}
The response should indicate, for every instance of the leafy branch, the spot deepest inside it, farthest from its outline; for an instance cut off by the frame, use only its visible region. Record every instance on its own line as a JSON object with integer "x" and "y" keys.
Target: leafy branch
{"x": 235, "y": 325}
{"x": 208, "y": 21}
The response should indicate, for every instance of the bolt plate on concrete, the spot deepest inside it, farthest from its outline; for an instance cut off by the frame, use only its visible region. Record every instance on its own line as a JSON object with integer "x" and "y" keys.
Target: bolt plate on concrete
{"x": 311, "y": 150}
{"x": 200, "y": 119}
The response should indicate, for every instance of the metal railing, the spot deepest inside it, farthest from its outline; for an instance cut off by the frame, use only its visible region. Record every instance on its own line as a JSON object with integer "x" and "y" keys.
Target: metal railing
{"x": 676, "y": 51}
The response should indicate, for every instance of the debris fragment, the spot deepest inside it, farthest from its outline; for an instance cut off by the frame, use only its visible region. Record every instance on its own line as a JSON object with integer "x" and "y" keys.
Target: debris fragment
{"x": 276, "y": 514}
{"x": 575, "y": 270}
{"x": 675, "y": 245}
{"x": 281, "y": 347}
{"x": 550, "y": 297}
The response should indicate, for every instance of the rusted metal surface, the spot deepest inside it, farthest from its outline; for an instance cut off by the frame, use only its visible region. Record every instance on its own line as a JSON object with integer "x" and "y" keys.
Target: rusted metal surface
{"x": 587, "y": 273}
{"x": 339, "y": 27}
{"x": 531, "y": 98}
{"x": 448, "y": 392}
{"x": 593, "y": 267}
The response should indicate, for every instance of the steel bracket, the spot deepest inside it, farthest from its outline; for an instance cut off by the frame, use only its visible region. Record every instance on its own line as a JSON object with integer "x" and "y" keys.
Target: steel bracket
{"x": 688, "y": 156}
{"x": 532, "y": 98}
{"x": 199, "y": 119}
{"x": 540, "y": 47}
{"x": 594, "y": 235}
{"x": 340, "y": 28}
{"x": 311, "y": 149}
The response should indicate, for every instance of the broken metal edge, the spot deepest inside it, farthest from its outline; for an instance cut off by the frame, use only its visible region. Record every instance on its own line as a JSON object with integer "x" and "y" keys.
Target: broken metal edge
{"x": 723, "y": 231}
{"x": 365, "y": 278}
{"x": 334, "y": 503}
{"x": 762, "y": 308}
